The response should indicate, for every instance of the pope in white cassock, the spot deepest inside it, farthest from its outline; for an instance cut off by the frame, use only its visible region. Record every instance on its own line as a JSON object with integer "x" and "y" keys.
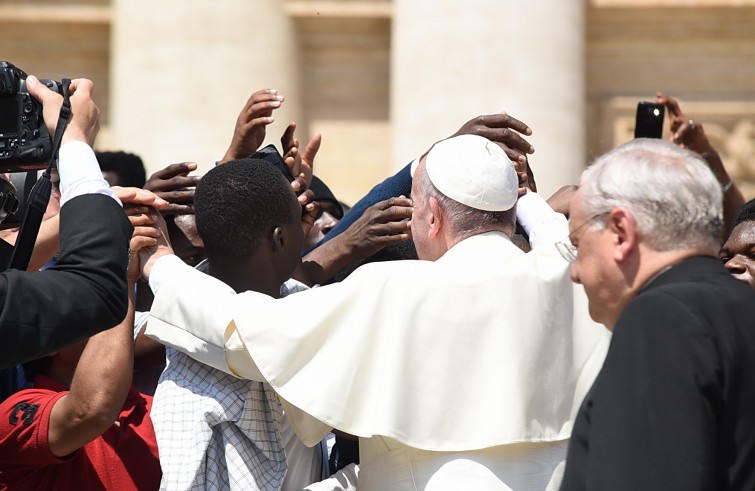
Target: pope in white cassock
{"x": 463, "y": 370}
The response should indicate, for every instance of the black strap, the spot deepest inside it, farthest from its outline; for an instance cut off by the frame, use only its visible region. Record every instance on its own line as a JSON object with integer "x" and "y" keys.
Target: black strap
{"x": 36, "y": 203}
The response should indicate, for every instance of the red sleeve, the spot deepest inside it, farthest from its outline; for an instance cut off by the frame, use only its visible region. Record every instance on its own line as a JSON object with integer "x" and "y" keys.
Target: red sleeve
{"x": 24, "y": 424}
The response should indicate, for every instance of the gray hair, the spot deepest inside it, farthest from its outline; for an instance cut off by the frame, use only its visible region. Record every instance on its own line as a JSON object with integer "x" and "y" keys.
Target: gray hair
{"x": 675, "y": 199}
{"x": 464, "y": 220}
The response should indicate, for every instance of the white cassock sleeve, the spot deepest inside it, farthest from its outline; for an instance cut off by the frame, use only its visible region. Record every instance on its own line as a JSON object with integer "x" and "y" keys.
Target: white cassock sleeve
{"x": 207, "y": 335}
{"x": 401, "y": 330}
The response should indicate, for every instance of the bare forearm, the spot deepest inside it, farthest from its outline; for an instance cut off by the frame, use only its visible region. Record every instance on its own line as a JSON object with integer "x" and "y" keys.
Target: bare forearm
{"x": 733, "y": 198}
{"x": 327, "y": 260}
{"x": 47, "y": 244}
{"x": 103, "y": 377}
{"x": 106, "y": 365}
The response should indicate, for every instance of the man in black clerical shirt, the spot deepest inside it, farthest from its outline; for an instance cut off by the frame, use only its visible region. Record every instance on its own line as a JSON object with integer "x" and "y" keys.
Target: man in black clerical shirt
{"x": 674, "y": 405}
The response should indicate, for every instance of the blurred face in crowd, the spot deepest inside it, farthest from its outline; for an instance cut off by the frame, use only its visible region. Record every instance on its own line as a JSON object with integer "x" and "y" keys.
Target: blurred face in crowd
{"x": 111, "y": 178}
{"x": 738, "y": 253}
{"x": 324, "y": 223}
{"x": 185, "y": 240}
{"x": 594, "y": 267}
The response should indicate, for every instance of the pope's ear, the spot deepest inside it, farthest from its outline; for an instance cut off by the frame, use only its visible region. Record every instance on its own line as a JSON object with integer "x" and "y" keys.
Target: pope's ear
{"x": 435, "y": 218}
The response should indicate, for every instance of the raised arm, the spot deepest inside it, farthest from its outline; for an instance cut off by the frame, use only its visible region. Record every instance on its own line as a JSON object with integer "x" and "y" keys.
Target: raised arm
{"x": 103, "y": 374}
{"x": 690, "y": 134}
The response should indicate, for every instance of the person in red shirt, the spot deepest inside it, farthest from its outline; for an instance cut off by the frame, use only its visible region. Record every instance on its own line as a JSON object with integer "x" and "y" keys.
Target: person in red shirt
{"x": 82, "y": 425}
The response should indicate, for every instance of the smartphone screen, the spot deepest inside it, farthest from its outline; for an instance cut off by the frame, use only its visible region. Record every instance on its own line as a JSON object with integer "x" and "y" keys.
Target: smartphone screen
{"x": 649, "y": 120}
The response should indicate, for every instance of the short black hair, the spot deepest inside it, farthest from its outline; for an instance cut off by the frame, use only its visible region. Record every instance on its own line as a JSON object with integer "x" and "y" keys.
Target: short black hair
{"x": 239, "y": 202}
{"x": 745, "y": 214}
{"x": 128, "y": 167}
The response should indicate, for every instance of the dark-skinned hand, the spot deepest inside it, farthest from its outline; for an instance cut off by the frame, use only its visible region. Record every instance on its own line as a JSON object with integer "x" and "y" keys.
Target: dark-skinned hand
{"x": 310, "y": 210}
{"x": 249, "y": 132}
{"x": 506, "y": 131}
{"x": 684, "y": 131}
{"x": 382, "y": 224}
{"x": 176, "y": 186}
{"x": 300, "y": 164}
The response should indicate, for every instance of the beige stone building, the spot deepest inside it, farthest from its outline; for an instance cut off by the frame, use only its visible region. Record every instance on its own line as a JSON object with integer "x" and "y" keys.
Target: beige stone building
{"x": 383, "y": 79}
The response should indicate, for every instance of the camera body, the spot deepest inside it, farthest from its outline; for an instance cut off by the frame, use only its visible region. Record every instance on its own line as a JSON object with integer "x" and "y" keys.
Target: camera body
{"x": 25, "y": 143}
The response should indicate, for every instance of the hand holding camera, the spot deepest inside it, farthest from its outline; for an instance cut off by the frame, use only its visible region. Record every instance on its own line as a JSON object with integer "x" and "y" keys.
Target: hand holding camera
{"x": 29, "y": 111}
{"x": 85, "y": 122}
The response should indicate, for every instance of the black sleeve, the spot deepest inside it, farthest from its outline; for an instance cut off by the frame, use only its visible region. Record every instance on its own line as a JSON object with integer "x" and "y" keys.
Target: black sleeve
{"x": 83, "y": 294}
{"x": 6, "y": 253}
{"x": 655, "y": 405}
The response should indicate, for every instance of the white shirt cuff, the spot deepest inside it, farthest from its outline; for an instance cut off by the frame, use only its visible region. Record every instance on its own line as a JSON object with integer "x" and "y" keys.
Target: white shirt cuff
{"x": 538, "y": 219}
{"x": 163, "y": 269}
{"x": 80, "y": 173}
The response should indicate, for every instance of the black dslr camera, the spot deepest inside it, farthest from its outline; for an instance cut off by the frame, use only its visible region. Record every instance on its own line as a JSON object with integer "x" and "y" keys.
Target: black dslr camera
{"x": 25, "y": 143}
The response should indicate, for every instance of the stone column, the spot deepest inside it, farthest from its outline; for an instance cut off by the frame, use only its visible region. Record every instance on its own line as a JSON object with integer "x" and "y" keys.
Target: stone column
{"x": 180, "y": 75}
{"x": 454, "y": 60}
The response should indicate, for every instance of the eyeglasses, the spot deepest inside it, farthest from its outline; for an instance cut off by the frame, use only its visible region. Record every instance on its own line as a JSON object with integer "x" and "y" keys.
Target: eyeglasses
{"x": 567, "y": 249}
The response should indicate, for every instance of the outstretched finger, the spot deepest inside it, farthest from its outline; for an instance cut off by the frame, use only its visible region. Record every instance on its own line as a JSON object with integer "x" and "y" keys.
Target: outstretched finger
{"x": 393, "y": 231}
{"x": 292, "y": 159}
{"x": 179, "y": 209}
{"x": 288, "y": 136}
{"x": 310, "y": 151}
{"x": 132, "y": 195}
{"x": 672, "y": 105}
{"x": 504, "y": 120}
{"x": 134, "y": 210}
{"x": 513, "y": 154}
{"x": 139, "y": 242}
{"x": 144, "y": 231}
{"x": 141, "y": 219}
{"x": 394, "y": 201}
{"x": 178, "y": 196}
{"x": 173, "y": 170}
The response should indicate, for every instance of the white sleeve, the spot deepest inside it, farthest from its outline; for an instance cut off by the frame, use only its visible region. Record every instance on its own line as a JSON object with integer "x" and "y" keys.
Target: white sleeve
{"x": 207, "y": 346}
{"x": 542, "y": 224}
{"x": 80, "y": 173}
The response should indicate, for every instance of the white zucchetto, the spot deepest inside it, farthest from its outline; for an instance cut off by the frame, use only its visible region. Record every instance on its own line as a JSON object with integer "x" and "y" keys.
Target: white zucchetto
{"x": 474, "y": 171}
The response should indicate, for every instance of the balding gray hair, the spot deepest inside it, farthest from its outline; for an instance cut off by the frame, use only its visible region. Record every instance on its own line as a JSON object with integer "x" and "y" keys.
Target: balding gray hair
{"x": 464, "y": 220}
{"x": 672, "y": 194}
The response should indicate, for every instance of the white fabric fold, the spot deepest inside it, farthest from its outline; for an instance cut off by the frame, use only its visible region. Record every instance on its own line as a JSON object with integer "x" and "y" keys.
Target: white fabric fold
{"x": 486, "y": 346}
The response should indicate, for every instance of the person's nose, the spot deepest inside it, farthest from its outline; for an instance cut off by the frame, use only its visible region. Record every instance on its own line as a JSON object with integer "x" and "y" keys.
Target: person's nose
{"x": 736, "y": 265}
{"x": 574, "y": 274}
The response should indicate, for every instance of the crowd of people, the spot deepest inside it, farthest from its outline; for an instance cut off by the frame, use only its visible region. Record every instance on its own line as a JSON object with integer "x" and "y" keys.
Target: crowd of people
{"x": 453, "y": 329}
